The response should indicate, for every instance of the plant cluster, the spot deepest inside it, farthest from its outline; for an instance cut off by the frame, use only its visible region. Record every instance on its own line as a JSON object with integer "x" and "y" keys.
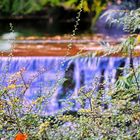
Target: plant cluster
{"x": 112, "y": 114}
{"x": 15, "y": 7}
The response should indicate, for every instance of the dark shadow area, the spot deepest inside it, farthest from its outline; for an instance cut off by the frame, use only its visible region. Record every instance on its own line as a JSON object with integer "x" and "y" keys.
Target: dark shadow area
{"x": 69, "y": 85}
{"x": 43, "y": 23}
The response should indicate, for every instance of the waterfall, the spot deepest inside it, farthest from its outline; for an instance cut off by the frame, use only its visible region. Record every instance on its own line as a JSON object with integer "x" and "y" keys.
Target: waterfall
{"x": 80, "y": 72}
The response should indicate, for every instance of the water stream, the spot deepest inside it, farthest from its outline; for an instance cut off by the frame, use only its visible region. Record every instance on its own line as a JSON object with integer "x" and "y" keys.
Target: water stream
{"x": 80, "y": 72}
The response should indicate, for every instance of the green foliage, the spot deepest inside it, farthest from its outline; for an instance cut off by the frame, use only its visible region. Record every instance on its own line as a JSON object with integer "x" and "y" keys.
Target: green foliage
{"x": 95, "y": 7}
{"x": 130, "y": 19}
{"x": 131, "y": 22}
{"x": 22, "y": 7}
{"x": 116, "y": 117}
{"x": 16, "y": 7}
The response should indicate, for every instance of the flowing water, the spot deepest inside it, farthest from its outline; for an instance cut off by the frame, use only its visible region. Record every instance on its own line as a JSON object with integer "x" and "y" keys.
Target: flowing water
{"x": 80, "y": 72}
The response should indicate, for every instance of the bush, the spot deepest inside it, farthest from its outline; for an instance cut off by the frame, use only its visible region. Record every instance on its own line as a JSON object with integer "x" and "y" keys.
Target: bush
{"x": 115, "y": 117}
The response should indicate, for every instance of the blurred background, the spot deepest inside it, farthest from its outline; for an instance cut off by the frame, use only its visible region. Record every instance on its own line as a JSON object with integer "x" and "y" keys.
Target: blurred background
{"x": 42, "y": 29}
{"x": 56, "y": 17}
